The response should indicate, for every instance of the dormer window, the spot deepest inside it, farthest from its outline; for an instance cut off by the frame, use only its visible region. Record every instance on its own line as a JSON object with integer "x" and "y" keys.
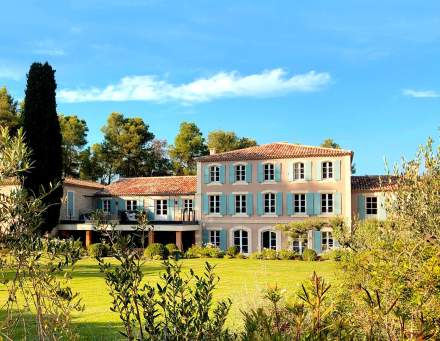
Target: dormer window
{"x": 327, "y": 170}
{"x": 298, "y": 171}
{"x": 214, "y": 173}
{"x": 269, "y": 172}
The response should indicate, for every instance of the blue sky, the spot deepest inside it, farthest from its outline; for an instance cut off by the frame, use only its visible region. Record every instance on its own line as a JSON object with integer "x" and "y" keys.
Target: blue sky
{"x": 362, "y": 72}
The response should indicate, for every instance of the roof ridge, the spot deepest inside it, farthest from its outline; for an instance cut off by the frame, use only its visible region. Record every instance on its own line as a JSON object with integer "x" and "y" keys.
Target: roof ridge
{"x": 157, "y": 177}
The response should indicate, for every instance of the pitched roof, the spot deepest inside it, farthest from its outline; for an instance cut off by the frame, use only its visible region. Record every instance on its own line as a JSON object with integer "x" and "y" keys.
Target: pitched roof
{"x": 278, "y": 150}
{"x": 164, "y": 185}
{"x": 373, "y": 183}
{"x": 83, "y": 183}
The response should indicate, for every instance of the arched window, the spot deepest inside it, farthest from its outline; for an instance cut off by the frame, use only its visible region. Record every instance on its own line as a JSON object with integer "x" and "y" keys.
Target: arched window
{"x": 241, "y": 240}
{"x": 269, "y": 240}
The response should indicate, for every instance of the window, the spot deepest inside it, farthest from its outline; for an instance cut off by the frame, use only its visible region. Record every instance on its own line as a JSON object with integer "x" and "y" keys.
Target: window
{"x": 299, "y": 244}
{"x": 162, "y": 207}
{"x": 269, "y": 203}
{"x": 241, "y": 240}
{"x": 240, "y": 173}
{"x": 214, "y": 204}
{"x": 106, "y": 205}
{"x": 269, "y": 172}
{"x": 327, "y": 241}
{"x": 269, "y": 240}
{"x": 131, "y": 205}
{"x": 298, "y": 171}
{"x": 240, "y": 203}
{"x": 371, "y": 205}
{"x": 327, "y": 170}
{"x": 214, "y": 173}
{"x": 299, "y": 203}
{"x": 327, "y": 203}
{"x": 188, "y": 204}
{"x": 214, "y": 237}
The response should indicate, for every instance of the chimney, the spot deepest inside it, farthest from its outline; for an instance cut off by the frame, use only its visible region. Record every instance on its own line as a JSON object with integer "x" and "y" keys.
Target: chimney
{"x": 212, "y": 151}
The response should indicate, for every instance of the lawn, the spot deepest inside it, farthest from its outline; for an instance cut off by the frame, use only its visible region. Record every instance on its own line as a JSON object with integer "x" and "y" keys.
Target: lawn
{"x": 242, "y": 280}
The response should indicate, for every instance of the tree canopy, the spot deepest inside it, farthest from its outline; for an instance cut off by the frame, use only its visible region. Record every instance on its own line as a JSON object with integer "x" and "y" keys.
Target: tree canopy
{"x": 9, "y": 113}
{"x": 225, "y": 141}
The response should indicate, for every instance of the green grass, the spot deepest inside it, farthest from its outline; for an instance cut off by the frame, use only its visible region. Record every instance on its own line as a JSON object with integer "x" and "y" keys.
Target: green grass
{"x": 242, "y": 280}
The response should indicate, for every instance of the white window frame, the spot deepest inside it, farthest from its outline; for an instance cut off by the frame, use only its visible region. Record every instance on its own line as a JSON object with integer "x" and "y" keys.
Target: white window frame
{"x": 327, "y": 240}
{"x": 272, "y": 208}
{"x": 326, "y": 208}
{"x": 106, "y": 205}
{"x": 240, "y": 172}
{"x": 240, "y": 206}
{"x": 269, "y": 173}
{"x": 367, "y": 198}
{"x": 214, "y": 237}
{"x": 214, "y": 173}
{"x": 131, "y": 205}
{"x": 298, "y": 171}
{"x": 249, "y": 239}
{"x": 188, "y": 204}
{"x": 302, "y": 244}
{"x": 215, "y": 208}
{"x": 300, "y": 200}
{"x": 273, "y": 238}
{"x": 161, "y": 207}
{"x": 327, "y": 170}
{"x": 67, "y": 204}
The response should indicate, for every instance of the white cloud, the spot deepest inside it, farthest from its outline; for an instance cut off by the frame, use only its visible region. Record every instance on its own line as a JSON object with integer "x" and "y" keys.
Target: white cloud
{"x": 11, "y": 73}
{"x": 421, "y": 93}
{"x": 48, "y": 48}
{"x": 150, "y": 88}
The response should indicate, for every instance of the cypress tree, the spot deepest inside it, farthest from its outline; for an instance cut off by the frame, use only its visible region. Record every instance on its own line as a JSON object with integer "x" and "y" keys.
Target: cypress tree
{"x": 43, "y": 137}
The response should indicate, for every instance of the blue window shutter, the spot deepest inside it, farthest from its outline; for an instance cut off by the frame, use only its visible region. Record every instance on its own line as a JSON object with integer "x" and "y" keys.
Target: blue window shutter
{"x": 206, "y": 175}
{"x": 289, "y": 203}
{"x": 317, "y": 203}
{"x": 260, "y": 210}
{"x": 222, "y": 174}
{"x": 205, "y": 204}
{"x": 250, "y": 204}
{"x": 113, "y": 206}
{"x": 318, "y": 169}
{"x": 223, "y": 204}
{"x": 310, "y": 203}
{"x": 205, "y": 237}
{"x": 231, "y": 206}
{"x": 361, "y": 206}
{"x": 249, "y": 173}
{"x": 337, "y": 203}
{"x": 70, "y": 203}
{"x": 278, "y": 172}
{"x": 223, "y": 239}
{"x": 260, "y": 175}
{"x": 317, "y": 241}
{"x": 231, "y": 173}
{"x": 140, "y": 204}
{"x": 381, "y": 209}
{"x": 121, "y": 204}
{"x": 337, "y": 169}
{"x": 308, "y": 170}
{"x": 279, "y": 203}
{"x": 290, "y": 171}
{"x": 170, "y": 204}
{"x": 180, "y": 203}
{"x": 99, "y": 204}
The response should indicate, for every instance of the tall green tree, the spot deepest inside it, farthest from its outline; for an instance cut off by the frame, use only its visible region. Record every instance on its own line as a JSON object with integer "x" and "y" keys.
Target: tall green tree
{"x": 188, "y": 144}
{"x": 74, "y": 133}
{"x": 224, "y": 141}
{"x": 330, "y": 143}
{"x": 9, "y": 113}
{"x": 43, "y": 137}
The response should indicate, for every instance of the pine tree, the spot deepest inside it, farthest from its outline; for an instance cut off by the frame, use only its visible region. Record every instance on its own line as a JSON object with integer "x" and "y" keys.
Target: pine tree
{"x": 43, "y": 136}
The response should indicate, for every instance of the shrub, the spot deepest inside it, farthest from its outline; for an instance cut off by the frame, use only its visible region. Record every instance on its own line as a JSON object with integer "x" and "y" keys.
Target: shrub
{"x": 286, "y": 254}
{"x": 173, "y": 250}
{"x": 335, "y": 255}
{"x": 212, "y": 252}
{"x": 241, "y": 256}
{"x": 156, "y": 249}
{"x": 195, "y": 251}
{"x": 309, "y": 255}
{"x": 256, "y": 255}
{"x": 98, "y": 250}
{"x": 269, "y": 254}
{"x": 232, "y": 251}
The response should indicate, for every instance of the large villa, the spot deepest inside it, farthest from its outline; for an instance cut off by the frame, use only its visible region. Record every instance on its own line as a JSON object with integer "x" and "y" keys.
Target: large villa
{"x": 236, "y": 198}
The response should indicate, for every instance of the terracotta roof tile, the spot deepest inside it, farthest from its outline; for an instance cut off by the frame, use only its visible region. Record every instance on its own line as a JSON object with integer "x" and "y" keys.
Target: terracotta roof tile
{"x": 165, "y": 185}
{"x": 83, "y": 183}
{"x": 278, "y": 150}
{"x": 373, "y": 183}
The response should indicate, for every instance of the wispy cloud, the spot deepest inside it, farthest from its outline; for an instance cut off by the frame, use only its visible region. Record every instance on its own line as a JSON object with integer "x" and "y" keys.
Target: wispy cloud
{"x": 421, "y": 93}
{"x": 11, "y": 73}
{"x": 269, "y": 83}
{"x": 48, "y": 48}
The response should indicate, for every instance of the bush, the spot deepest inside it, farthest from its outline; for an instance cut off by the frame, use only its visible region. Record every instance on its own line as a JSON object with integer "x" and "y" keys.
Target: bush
{"x": 256, "y": 255}
{"x": 195, "y": 251}
{"x": 232, "y": 251}
{"x": 269, "y": 254}
{"x": 286, "y": 254}
{"x": 173, "y": 250}
{"x": 156, "y": 249}
{"x": 241, "y": 256}
{"x": 335, "y": 255}
{"x": 211, "y": 251}
{"x": 309, "y": 255}
{"x": 98, "y": 250}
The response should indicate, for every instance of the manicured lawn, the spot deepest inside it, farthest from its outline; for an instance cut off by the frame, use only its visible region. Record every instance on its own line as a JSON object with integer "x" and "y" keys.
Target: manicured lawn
{"x": 241, "y": 279}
